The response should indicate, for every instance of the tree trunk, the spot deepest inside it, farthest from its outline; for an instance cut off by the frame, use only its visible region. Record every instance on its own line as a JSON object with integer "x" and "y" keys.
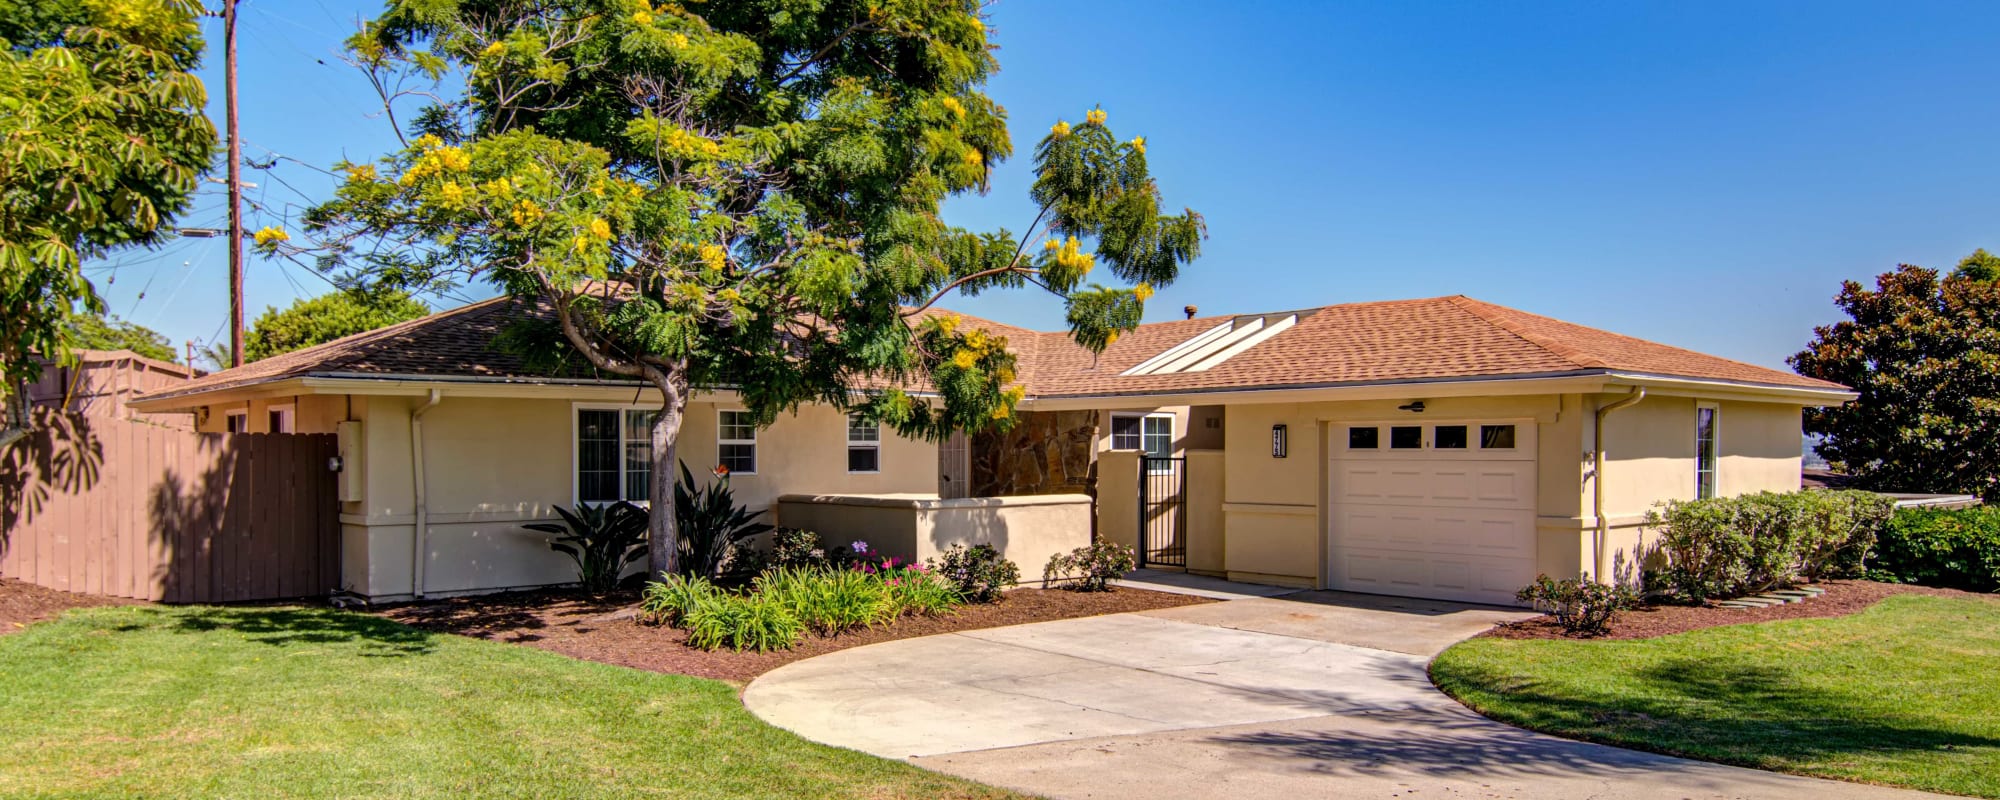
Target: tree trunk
{"x": 664, "y": 556}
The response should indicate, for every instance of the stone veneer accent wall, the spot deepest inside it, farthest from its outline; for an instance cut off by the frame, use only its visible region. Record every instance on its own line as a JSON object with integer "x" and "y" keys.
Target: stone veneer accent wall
{"x": 1047, "y": 452}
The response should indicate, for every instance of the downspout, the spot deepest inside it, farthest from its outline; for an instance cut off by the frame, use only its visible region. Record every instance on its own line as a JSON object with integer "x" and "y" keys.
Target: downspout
{"x": 1597, "y": 480}
{"x": 419, "y": 545}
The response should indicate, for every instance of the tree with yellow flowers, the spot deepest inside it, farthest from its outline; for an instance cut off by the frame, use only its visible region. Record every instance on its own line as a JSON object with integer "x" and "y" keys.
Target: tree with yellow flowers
{"x": 739, "y": 194}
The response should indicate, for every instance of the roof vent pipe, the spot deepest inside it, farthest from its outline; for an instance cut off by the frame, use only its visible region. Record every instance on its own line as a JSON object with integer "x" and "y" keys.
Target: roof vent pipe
{"x": 1191, "y": 310}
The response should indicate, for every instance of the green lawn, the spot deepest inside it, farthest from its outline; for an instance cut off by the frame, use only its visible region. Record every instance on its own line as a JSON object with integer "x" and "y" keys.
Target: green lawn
{"x": 296, "y": 702}
{"x": 1906, "y": 693}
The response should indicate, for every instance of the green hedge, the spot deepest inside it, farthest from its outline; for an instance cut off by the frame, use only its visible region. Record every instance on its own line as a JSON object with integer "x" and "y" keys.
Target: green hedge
{"x": 1954, "y": 549}
{"x": 1733, "y": 546}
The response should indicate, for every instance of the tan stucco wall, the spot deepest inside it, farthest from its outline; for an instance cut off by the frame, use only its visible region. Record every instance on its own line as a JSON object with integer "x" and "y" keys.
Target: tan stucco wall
{"x": 1206, "y": 533}
{"x": 1026, "y": 530}
{"x": 1118, "y": 497}
{"x": 495, "y": 463}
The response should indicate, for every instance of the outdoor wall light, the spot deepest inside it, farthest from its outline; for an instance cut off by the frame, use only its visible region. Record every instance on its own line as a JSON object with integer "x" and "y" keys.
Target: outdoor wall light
{"x": 333, "y": 464}
{"x": 1414, "y": 407}
{"x": 1279, "y": 445}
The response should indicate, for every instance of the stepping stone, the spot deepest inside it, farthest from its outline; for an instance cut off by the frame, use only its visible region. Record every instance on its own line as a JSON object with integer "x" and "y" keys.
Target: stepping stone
{"x": 1751, "y": 602}
{"x": 1778, "y": 597}
{"x": 1812, "y": 590}
{"x": 1797, "y": 593}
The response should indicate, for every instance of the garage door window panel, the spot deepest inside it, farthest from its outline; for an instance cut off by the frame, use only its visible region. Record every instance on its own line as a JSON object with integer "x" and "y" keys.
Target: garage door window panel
{"x": 1406, "y": 437}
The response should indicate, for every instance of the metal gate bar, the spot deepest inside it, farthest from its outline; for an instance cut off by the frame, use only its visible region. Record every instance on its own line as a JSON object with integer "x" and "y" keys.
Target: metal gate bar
{"x": 1162, "y": 511}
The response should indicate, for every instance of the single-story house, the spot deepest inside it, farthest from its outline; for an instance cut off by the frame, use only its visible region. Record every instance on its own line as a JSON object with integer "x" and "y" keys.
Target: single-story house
{"x": 1442, "y": 447}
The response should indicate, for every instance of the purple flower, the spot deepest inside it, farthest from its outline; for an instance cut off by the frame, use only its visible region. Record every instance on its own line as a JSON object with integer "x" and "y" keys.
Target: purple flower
{"x": 859, "y": 547}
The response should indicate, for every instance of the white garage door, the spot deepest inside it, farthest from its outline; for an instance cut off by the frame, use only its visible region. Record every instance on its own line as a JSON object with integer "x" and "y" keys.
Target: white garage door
{"x": 1443, "y": 510}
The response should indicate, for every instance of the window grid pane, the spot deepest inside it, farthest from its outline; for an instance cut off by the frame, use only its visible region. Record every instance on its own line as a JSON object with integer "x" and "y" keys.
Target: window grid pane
{"x": 597, "y": 456}
{"x": 1159, "y": 436}
{"x": 860, "y": 429}
{"x": 1125, "y": 433}
{"x": 1496, "y": 437}
{"x": 738, "y": 458}
{"x": 1364, "y": 438}
{"x": 1448, "y": 437}
{"x": 1406, "y": 437}
{"x": 864, "y": 459}
{"x": 1704, "y": 447}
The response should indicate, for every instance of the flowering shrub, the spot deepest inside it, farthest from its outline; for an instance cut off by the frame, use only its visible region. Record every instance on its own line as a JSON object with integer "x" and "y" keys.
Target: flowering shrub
{"x": 977, "y": 573}
{"x": 1089, "y": 568}
{"x": 791, "y": 547}
{"x": 1580, "y": 605}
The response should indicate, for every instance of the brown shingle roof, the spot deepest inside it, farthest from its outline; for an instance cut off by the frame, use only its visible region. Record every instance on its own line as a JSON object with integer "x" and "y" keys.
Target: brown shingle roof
{"x": 1355, "y": 343}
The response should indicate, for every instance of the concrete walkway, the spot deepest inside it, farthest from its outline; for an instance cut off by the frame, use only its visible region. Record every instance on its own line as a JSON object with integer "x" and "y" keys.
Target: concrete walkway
{"x": 1314, "y": 694}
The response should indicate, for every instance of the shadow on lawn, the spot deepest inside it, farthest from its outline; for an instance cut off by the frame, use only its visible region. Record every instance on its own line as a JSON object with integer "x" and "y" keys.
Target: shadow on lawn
{"x": 290, "y": 626}
{"x": 1716, "y": 710}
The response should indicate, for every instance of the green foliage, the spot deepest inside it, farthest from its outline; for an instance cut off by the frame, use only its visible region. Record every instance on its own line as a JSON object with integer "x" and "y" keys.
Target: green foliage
{"x": 603, "y": 540}
{"x": 791, "y": 547}
{"x": 1950, "y": 548}
{"x": 1582, "y": 607}
{"x": 101, "y": 332}
{"x": 977, "y": 573}
{"x": 741, "y": 622}
{"x": 1980, "y": 266}
{"x": 710, "y": 523}
{"x": 1924, "y": 355}
{"x": 105, "y": 137}
{"x": 1090, "y": 568}
{"x": 667, "y": 600}
{"x": 1733, "y": 546}
{"x": 917, "y": 591}
{"x": 741, "y": 194}
{"x": 829, "y": 601}
{"x": 317, "y": 320}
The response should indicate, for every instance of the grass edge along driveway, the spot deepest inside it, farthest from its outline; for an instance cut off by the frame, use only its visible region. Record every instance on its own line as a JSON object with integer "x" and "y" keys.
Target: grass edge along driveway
{"x": 1905, "y": 693}
{"x": 258, "y": 702}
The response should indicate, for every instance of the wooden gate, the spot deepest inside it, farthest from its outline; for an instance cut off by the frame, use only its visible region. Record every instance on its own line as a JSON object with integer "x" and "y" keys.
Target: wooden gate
{"x": 129, "y": 509}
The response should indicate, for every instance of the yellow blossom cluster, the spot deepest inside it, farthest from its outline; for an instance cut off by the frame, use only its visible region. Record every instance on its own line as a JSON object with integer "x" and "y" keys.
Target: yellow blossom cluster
{"x": 360, "y": 173}
{"x": 1095, "y": 116}
{"x": 1060, "y": 129}
{"x": 964, "y": 359}
{"x": 436, "y": 160}
{"x": 494, "y": 49}
{"x": 526, "y": 214}
{"x": 952, "y": 105}
{"x": 1069, "y": 254}
{"x": 1139, "y": 145}
{"x": 713, "y": 257}
{"x": 500, "y": 188}
{"x": 600, "y": 229}
{"x": 948, "y": 323}
{"x": 1013, "y": 398}
{"x": 451, "y": 195}
{"x": 973, "y": 157}
{"x": 687, "y": 145}
{"x": 677, "y": 40}
{"x": 1143, "y": 291}
{"x": 267, "y": 237}
{"x": 642, "y": 17}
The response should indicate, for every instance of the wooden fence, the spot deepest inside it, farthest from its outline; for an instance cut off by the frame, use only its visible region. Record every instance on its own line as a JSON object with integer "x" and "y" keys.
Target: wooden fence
{"x": 125, "y": 508}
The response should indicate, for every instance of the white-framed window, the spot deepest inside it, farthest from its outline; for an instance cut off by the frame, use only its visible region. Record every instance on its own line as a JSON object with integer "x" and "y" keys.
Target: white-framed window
{"x": 1496, "y": 437}
{"x": 864, "y": 444}
{"x": 1706, "y": 417}
{"x": 736, "y": 441}
{"x": 1150, "y": 434}
{"x": 236, "y": 421}
{"x": 614, "y": 453}
{"x": 280, "y": 419}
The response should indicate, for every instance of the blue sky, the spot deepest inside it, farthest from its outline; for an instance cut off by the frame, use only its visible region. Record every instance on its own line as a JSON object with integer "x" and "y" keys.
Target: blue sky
{"x": 1702, "y": 174}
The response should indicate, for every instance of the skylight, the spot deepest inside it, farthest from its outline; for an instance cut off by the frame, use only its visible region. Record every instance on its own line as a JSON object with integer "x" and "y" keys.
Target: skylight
{"x": 1215, "y": 345}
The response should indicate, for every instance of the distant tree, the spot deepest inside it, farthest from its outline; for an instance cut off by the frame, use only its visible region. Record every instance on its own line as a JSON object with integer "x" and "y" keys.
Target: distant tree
{"x": 104, "y": 136}
{"x": 1924, "y": 354}
{"x": 1980, "y": 266}
{"x": 743, "y": 193}
{"x": 215, "y": 355}
{"x": 316, "y": 320}
{"x": 103, "y": 332}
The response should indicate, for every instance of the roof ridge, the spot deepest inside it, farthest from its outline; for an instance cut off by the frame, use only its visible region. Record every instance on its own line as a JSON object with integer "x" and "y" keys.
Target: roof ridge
{"x": 1484, "y": 311}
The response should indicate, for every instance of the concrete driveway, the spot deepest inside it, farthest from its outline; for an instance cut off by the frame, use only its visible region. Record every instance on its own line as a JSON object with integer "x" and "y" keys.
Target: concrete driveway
{"x": 1314, "y": 694}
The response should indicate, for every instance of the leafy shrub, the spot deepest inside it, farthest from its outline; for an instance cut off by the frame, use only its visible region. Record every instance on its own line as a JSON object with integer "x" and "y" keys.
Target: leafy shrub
{"x": 1950, "y": 548}
{"x": 669, "y": 599}
{"x": 710, "y": 524}
{"x": 1582, "y": 607}
{"x": 828, "y": 601}
{"x": 741, "y": 623}
{"x": 602, "y": 540}
{"x": 1089, "y": 568}
{"x": 977, "y": 573}
{"x": 1733, "y": 546}
{"x": 914, "y": 590}
{"x": 791, "y": 547}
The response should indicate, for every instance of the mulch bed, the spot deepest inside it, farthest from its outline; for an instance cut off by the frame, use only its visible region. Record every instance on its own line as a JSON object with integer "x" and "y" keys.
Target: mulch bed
{"x": 1841, "y": 598}
{"x": 22, "y": 604}
{"x": 605, "y": 629}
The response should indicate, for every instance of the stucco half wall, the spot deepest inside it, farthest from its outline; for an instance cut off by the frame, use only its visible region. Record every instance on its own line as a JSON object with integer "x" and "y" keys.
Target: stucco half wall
{"x": 1025, "y": 529}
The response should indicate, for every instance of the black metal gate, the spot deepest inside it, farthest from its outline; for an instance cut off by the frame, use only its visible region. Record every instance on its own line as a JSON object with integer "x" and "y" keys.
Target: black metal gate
{"x": 1162, "y": 511}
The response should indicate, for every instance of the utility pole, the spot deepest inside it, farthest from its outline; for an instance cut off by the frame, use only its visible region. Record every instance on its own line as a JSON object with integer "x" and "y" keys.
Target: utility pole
{"x": 235, "y": 184}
